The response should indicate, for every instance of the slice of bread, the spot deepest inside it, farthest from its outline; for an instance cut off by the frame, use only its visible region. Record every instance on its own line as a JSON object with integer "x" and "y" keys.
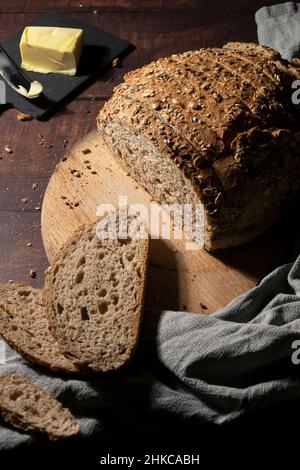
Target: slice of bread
{"x": 24, "y": 325}
{"x": 94, "y": 294}
{"x": 30, "y": 408}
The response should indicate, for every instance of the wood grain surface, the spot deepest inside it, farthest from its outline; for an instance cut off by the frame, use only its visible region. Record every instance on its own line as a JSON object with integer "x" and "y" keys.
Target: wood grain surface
{"x": 157, "y": 28}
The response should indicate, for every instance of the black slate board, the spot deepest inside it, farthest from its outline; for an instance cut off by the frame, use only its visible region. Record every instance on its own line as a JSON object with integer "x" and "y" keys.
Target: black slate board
{"x": 99, "y": 49}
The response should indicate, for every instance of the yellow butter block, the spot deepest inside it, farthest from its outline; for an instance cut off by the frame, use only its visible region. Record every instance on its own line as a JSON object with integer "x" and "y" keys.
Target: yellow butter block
{"x": 48, "y": 49}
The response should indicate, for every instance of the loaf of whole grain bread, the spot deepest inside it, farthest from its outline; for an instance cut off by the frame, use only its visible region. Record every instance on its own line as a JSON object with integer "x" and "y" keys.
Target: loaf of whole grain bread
{"x": 214, "y": 128}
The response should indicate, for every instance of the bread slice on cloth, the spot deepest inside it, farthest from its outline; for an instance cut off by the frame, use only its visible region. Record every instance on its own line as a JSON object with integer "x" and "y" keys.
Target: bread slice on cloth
{"x": 94, "y": 294}
{"x": 30, "y": 408}
{"x": 24, "y": 325}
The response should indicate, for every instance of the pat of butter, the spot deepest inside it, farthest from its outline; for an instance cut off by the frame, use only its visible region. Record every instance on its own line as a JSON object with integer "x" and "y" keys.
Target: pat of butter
{"x": 45, "y": 49}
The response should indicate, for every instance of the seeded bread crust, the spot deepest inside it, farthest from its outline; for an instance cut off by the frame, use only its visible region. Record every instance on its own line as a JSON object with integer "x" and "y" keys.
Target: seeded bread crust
{"x": 98, "y": 337}
{"x": 286, "y": 70}
{"x": 241, "y": 128}
{"x": 193, "y": 83}
{"x": 30, "y": 408}
{"x": 24, "y": 325}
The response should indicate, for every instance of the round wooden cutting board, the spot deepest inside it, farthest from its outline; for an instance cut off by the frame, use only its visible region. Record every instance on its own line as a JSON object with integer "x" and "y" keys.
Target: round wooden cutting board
{"x": 180, "y": 278}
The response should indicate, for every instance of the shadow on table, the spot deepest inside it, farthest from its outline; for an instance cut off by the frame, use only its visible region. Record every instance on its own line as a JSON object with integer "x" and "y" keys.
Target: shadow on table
{"x": 279, "y": 245}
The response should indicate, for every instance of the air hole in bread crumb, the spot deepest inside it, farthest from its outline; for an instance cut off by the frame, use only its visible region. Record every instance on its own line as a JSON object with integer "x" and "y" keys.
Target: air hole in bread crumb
{"x": 33, "y": 411}
{"x": 102, "y": 292}
{"x": 115, "y": 299}
{"x": 24, "y": 292}
{"x": 101, "y": 255}
{"x": 130, "y": 256}
{"x": 55, "y": 270}
{"x": 15, "y": 395}
{"x": 125, "y": 241}
{"x": 60, "y": 308}
{"x": 103, "y": 307}
{"x": 79, "y": 277}
{"x": 84, "y": 314}
{"x": 138, "y": 271}
{"x": 81, "y": 262}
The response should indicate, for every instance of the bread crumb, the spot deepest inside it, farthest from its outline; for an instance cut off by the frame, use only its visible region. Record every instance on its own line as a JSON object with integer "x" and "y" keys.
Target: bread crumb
{"x": 116, "y": 62}
{"x": 34, "y": 186}
{"x": 8, "y": 149}
{"x": 10, "y": 281}
{"x": 32, "y": 273}
{"x": 29, "y": 244}
{"x": 37, "y": 208}
{"x": 75, "y": 172}
{"x": 203, "y": 306}
{"x": 96, "y": 12}
{"x": 24, "y": 117}
{"x": 24, "y": 200}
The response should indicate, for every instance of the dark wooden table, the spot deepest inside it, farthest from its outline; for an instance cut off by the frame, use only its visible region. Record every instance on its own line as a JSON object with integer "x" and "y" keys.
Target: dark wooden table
{"x": 157, "y": 28}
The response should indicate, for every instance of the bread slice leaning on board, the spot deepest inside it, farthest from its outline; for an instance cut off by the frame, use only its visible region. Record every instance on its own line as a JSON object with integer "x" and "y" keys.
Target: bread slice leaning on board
{"x": 94, "y": 295}
{"x": 215, "y": 128}
{"x": 24, "y": 325}
{"x": 28, "y": 407}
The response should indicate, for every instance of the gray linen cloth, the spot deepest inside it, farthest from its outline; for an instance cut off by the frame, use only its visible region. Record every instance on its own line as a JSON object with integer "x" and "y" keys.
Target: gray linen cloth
{"x": 278, "y": 26}
{"x": 212, "y": 369}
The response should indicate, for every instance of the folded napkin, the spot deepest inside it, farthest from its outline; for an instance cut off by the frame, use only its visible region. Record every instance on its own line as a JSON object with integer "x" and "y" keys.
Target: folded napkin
{"x": 188, "y": 368}
{"x": 278, "y": 26}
